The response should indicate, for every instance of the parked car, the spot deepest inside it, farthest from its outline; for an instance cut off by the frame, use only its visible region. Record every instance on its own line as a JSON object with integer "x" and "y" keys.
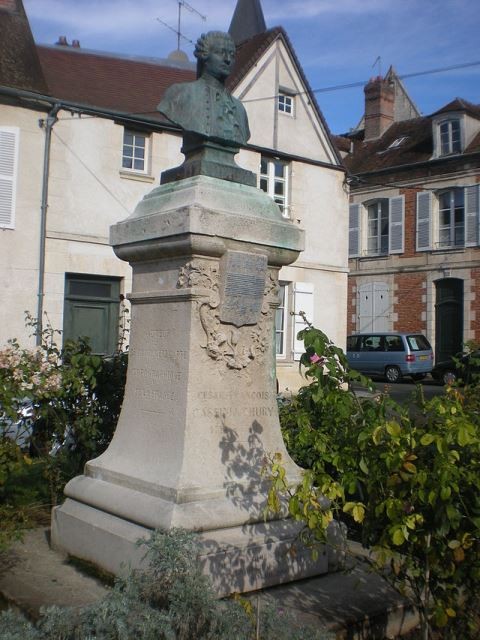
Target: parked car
{"x": 391, "y": 354}
{"x": 462, "y": 367}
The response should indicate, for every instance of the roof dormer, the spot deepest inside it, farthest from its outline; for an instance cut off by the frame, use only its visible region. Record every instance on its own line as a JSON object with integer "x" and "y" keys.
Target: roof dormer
{"x": 454, "y": 127}
{"x": 448, "y": 134}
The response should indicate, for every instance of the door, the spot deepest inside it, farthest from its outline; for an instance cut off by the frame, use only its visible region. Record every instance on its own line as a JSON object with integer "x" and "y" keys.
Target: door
{"x": 92, "y": 306}
{"x": 373, "y": 307}
{"x": 448, "y": 318}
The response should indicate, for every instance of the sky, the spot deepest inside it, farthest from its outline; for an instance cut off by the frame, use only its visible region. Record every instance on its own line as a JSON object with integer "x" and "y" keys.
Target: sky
{"x": 338, "y": 42}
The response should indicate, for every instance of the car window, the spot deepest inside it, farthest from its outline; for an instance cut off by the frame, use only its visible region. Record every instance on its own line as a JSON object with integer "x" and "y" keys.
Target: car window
{"x": 418, "y": 343}
{"x": 394, "y": 343}
{"x": 352, "y": 343}
{"x": 371, "y": 343}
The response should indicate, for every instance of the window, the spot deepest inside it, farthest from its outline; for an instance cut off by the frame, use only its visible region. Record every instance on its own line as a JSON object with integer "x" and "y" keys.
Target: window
{"x": 281, "y": 323}
{"x": 91, "y": 310}
{"x": 376, "y": 227}
{"x": 450, "y": 137}
{"x": 397, "y": 142}
{"x": 135, "y": 150}
{"x": 8, "y": 174}
{"x": 451, "y": 224}
{"x": 394, "y": 343}
{"x": 448, "y": 219}
{"x": 285, "y": 103}
{"x": 274, "y": 181}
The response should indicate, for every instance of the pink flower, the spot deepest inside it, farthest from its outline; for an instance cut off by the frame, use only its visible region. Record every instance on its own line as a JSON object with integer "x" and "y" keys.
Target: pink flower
{"x": 316, "y": 359}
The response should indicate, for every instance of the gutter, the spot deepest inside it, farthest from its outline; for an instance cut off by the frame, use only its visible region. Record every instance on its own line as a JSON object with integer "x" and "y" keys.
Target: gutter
{"x": 47, "y": 124}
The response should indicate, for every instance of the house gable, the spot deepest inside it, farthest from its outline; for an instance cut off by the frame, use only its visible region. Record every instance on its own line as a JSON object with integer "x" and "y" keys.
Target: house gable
{"x": 271, "y": 70}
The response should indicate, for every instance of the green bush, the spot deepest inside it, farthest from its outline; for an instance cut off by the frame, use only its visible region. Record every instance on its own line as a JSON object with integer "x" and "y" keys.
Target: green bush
{"x": 406, "y": 481}
{"x": 63, "y": 404}
{"x": 173, "y": 601}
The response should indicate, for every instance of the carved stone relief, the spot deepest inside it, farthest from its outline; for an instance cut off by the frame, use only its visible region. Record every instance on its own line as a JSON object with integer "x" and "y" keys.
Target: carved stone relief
{"x": 236, "y": 347}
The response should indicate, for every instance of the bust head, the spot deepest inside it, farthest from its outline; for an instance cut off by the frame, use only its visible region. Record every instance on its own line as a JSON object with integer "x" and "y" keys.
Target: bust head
{"x": 215, "y": 52}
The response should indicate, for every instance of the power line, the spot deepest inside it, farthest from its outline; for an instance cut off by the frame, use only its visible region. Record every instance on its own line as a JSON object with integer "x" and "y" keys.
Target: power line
{"x": 91, "y": 172}
{"x": 362, "y": 83}
{"x": 337, "y": 87}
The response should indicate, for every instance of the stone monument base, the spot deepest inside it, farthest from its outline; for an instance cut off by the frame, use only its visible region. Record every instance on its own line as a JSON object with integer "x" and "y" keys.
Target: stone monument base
{"x": 237, "y": 559}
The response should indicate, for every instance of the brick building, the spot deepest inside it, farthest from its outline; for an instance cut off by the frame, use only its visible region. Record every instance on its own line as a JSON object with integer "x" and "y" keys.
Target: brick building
{"x": 414, "y": 233}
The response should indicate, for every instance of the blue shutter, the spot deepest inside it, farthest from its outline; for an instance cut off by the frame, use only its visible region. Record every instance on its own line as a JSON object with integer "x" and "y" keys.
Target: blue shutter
{"x": 8, "y": 175}
{"x": 354, "y": 231}
{"x": 396, "y": 225}
{"x": 472, "y": 215}
{"x": 424, "y": 220}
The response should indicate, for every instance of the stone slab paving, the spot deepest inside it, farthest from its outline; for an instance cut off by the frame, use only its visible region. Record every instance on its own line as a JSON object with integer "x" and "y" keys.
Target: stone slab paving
{"x": 356, "y": 605}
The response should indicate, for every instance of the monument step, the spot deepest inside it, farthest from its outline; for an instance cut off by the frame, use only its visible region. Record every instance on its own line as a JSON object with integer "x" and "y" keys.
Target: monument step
{"x": 354, "y": 605}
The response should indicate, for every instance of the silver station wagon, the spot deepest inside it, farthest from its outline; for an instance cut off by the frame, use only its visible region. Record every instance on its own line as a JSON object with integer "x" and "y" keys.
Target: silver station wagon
{"x": 392, "y": 355}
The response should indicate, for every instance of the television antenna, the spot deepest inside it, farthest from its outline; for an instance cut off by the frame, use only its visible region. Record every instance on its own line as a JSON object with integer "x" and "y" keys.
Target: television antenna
{"x": 182, "y": 4}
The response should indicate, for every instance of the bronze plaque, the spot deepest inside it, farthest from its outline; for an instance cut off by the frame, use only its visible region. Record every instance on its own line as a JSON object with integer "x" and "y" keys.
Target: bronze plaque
{"x": 242, "y": 287}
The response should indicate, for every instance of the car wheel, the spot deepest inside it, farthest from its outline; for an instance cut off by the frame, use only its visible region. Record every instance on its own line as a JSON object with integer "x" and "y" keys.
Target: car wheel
{"x": 393, "y": 374}
{"x": 449, "y": 377}
{"x": 419, "y": 376}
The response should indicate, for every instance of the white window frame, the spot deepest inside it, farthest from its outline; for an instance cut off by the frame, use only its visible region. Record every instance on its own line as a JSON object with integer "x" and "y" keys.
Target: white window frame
{"x": 9, "y": 143}
{"x": 451, "y": 227}
{"x": 428, "y": 219}
{"x": 282, "y": 311}
{"x": 268, "y": 179}
{"x": 136, "y": 136}
{"x": 381, "y": 208}
{"x": 358, "y": 228}
{"x": 444, "y": 126}
{"x": 286, "y": 103}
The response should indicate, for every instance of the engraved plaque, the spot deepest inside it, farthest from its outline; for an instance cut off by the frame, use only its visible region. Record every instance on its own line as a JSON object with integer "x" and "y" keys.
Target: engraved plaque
{"x": 242, "y": 287}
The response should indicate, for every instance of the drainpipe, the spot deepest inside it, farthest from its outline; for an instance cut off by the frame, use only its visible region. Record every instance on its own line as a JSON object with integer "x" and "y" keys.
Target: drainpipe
{"x": 46, "y": 124}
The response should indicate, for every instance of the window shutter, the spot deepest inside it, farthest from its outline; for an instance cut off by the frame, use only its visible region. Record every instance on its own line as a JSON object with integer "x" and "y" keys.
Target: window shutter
{"x": 354, "y": 231}
{"x": 424, "y": 215}
{"x": 396, "y": 225}
{"x": 8, "y": 174}
{"x": 303, "y": 301}
{"x": 472, "y": 215}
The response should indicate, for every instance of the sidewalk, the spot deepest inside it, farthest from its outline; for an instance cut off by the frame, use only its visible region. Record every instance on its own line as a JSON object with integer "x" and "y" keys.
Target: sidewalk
{"x": 356, "y": 605}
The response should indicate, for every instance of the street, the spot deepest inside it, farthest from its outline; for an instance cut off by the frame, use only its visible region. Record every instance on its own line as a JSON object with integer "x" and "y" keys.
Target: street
{"x": 402, "y": 391}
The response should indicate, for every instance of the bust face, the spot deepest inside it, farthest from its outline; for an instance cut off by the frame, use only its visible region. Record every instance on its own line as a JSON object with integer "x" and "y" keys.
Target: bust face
{"x": 220, "y": 59}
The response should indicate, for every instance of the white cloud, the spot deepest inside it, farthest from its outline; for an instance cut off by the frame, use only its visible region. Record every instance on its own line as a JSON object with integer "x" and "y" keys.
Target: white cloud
{"x": 117, "y": 19}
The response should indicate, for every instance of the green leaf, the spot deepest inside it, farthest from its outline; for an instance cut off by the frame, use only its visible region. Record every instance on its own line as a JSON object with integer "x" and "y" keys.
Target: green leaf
{"x": 445, "y": 493}
{"x": 398, "y": 538}
{"x": 363, "y": 466}
{"x": 358, "y": 513}
{"x": 427, "y": 439}
{"x": 393, "y": 428}
{"x": 377, "y": 435}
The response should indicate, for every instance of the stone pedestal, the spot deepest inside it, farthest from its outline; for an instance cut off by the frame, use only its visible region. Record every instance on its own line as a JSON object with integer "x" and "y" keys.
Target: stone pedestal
{"x": 199, "y": 416}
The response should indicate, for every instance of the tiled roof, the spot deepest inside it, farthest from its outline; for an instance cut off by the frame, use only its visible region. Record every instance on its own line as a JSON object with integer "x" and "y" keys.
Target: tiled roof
{"x": 459, "y": 104}
{"x": 122, "y": 85}
{"x": 404, "y": 143}
{"x": 135, "y": 86}
{"x": 249, "y": 52}
{"x": 19, "y": 64}
{"x": 379, "y": 154}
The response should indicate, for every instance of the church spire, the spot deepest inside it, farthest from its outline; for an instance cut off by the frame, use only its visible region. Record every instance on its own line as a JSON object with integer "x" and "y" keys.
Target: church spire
{"x": 247, "y": 21}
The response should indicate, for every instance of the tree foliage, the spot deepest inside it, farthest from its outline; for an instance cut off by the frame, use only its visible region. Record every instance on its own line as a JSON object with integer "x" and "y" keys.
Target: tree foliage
{"x": 59, "y": 406}
{"x": 405, "y": 479}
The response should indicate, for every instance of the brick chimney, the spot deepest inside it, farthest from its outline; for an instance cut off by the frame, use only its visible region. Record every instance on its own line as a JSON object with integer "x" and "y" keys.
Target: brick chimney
{"x": 379, "y": 107}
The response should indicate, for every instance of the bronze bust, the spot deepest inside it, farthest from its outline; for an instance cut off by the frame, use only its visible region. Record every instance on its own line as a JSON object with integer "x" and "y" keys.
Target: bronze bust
{"x": 205, "y": 107}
